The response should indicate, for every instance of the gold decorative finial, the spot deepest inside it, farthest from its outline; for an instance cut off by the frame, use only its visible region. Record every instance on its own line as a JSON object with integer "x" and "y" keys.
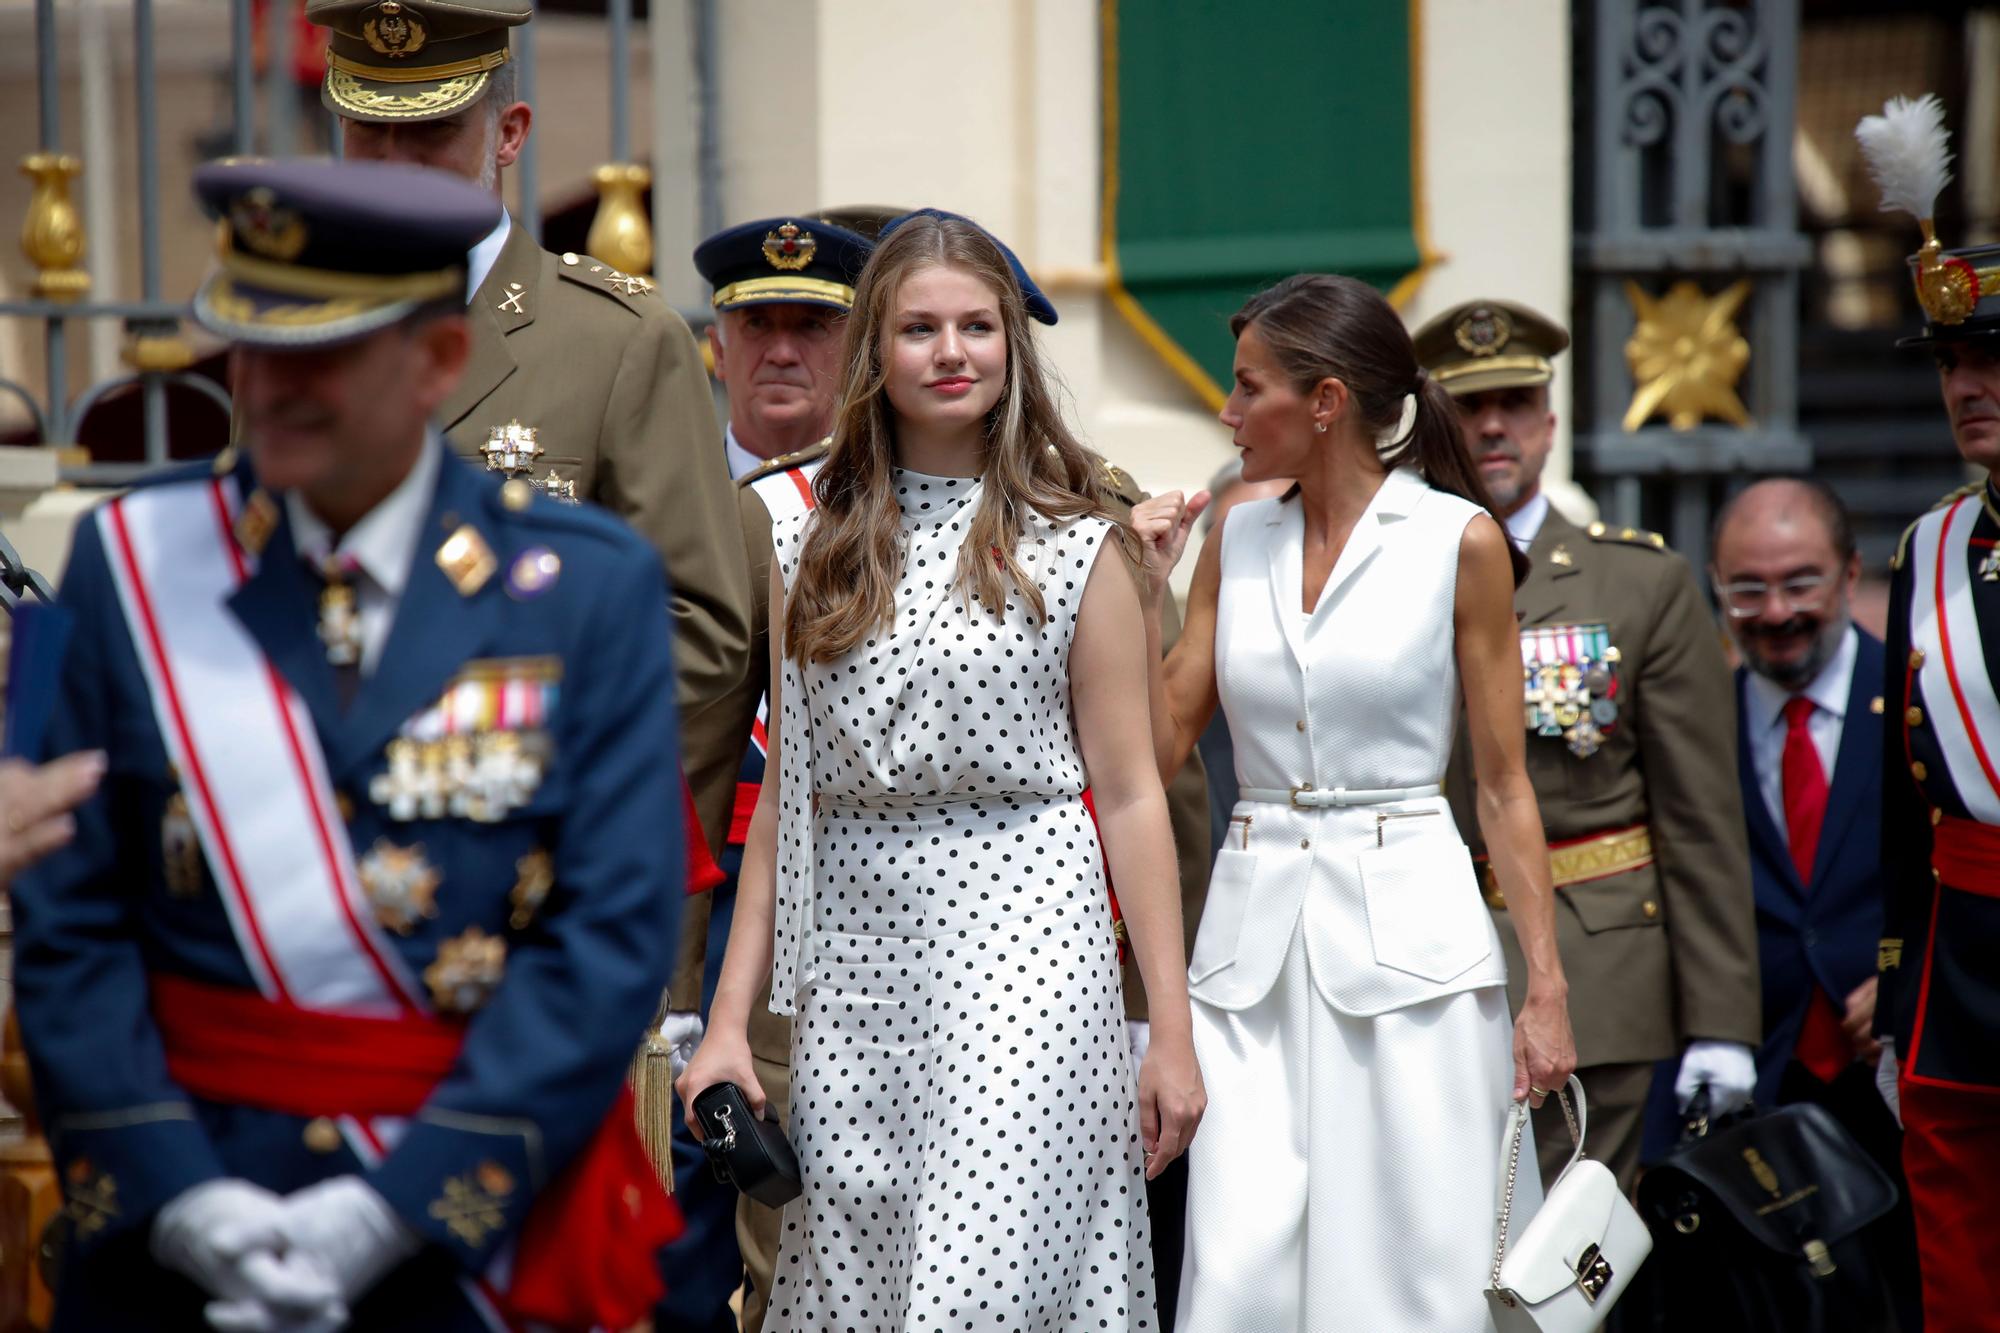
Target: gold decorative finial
{"x": 621, "y": 235}
{"x": 52, "y": 237}
{"x": 1686, "y": 355}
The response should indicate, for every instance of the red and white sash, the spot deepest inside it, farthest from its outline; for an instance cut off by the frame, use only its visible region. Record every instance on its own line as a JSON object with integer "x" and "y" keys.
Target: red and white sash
{"x": 1964, "y": 711}
{"x": 248, "y": 757}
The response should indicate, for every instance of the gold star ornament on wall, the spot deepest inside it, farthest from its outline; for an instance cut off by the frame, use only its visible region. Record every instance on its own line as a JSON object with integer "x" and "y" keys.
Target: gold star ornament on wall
{"x": 1686, "y": 355}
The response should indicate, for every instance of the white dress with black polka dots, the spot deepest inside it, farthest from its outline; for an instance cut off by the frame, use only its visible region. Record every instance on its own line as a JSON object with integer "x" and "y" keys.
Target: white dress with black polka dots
{"x": 962, "y": 1091}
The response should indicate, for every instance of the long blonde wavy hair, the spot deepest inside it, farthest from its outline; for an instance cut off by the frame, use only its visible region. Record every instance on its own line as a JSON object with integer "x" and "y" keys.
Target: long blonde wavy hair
{"x": 845, "y": 589}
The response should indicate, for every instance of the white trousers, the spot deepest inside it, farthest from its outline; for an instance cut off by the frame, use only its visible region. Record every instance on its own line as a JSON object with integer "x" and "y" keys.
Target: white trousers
{"x": 1346, "y": 1173}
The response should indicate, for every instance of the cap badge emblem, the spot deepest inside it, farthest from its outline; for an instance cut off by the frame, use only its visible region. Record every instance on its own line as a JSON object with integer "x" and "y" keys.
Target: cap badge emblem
{"x": 1483, "y": 331}
{"x": 263, "y": 226}
{"x": 393, "y": 32}
{"x": 788, "y": 248}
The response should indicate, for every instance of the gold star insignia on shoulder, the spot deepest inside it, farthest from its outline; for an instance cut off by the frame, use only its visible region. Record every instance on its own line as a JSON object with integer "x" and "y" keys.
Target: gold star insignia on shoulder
{"x": 1639, "y": 537}
{"x": 629, "y": 283}
{"x": 466, "y": 560}
{"x": 1561, "y": 557}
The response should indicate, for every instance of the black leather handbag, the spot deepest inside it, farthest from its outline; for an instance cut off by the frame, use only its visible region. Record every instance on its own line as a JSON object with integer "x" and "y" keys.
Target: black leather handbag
{"x": 753, "y": 1155}
{"x": 1757, "y": 1225}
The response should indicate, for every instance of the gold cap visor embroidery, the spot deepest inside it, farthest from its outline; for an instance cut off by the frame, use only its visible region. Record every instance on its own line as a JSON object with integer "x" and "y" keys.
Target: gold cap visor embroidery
{"x": 754, "y": 291}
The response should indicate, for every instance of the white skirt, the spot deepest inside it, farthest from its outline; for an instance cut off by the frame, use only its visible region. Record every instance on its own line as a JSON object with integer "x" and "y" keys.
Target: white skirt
{"x": 1346, "y": 1173}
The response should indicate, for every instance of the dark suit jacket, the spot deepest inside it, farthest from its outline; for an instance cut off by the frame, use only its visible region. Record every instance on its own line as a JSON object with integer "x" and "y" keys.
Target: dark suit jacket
{"x": 1823, "y": 934}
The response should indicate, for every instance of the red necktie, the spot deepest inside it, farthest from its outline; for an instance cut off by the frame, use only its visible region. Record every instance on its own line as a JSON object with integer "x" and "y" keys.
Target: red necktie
{"x": 1822, "y": 1047}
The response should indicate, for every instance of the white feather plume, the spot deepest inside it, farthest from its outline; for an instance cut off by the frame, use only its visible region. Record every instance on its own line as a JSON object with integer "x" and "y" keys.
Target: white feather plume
{"x": 1908, "y": 152}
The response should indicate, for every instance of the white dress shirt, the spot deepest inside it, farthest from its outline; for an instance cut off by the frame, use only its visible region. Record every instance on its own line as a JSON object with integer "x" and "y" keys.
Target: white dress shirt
{"x": 479, "y": 261}
{"x": 383, "y": 544}
{"x": 1764, "y": 720}
{"x": 1525, "y": 523}
{"x": 741, "y": 461}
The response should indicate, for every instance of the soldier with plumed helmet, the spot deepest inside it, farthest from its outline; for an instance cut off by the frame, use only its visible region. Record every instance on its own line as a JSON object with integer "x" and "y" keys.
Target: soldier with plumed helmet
{"x": 1938, "y": 1000}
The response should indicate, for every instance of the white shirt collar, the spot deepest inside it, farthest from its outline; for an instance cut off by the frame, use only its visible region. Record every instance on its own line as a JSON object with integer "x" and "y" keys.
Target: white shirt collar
{"x": 1766, "y": 699}
{"x": 741, "y": 461}
{"x": 384, "y": 542}
{"x": 479, "y": 261}
{"x": 1525, "y": 523}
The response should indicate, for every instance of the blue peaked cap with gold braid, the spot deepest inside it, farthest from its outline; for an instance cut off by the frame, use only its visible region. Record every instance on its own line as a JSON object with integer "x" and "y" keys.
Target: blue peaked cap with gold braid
{"x": 311, "y": 253}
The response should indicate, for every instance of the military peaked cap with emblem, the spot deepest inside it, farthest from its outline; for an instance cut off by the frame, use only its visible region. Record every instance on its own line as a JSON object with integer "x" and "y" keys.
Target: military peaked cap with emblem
{"x": 1483, "y": 345}
{"x": 1040, "y": 308}
{"x": 409, "y": 60}
{"x": 318, "y": 252}
{"x": 793, "y": 259}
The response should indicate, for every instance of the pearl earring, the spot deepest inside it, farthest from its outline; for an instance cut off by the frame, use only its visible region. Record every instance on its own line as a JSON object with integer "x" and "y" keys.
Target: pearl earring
{"x": 1320, "y": 426}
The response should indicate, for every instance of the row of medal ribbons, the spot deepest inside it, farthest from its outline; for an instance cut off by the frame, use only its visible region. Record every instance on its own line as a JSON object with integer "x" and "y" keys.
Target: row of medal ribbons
{"x": 1570, "y": 683}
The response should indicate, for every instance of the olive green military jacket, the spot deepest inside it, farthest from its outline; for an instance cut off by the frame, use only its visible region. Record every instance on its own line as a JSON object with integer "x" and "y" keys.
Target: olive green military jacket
{"x": 1666, "y": 953}
{"x": 611, "y": 381}
{"x": 1187, "y": 796}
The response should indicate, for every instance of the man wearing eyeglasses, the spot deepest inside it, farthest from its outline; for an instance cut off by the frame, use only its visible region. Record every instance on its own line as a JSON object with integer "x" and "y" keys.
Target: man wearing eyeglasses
{"x": 1630, "y": 723}
{"x": 1809, "y": 745}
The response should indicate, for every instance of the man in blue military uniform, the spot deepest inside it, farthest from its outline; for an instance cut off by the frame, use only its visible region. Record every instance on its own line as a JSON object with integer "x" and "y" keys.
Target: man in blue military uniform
{"x": 1937, "y": 1007}
{"x": 329, "y": 1004}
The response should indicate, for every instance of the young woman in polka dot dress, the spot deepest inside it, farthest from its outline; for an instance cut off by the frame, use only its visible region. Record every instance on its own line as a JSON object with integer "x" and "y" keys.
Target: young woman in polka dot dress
{"x": 963, "y": 652}
{"x": 1349, "y": 989}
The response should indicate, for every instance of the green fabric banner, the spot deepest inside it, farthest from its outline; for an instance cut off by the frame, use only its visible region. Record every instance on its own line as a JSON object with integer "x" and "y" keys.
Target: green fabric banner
{"x": 1247, "y": 143}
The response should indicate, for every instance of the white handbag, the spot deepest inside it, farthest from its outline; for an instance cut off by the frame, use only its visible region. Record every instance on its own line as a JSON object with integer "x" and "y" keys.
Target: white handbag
{"x": 1568, "y": 1265}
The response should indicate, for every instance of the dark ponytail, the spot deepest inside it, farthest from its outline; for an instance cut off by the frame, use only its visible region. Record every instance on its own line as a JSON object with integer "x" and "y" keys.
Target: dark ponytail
{"x": 1322, "y": 325}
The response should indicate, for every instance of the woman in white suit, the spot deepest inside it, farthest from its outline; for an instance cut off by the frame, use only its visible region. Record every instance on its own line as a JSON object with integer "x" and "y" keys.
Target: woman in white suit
{"x": 1350, "y": 1010}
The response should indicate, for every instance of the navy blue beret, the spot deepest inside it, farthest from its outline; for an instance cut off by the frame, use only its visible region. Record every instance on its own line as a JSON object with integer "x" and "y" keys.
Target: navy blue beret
{"x": 1039, "y": 306}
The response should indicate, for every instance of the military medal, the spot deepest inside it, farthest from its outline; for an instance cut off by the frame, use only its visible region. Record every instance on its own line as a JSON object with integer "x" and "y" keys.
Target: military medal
{"x": 400, "y": 883}
{"x": 1989, "y": 568}
{"x": 180, "y": 849}
{"x": 553, "y": 486}
{"x": 536, "y": 876}
{"x": 511, "y": 449}
{"x": 339, "y": 619}
{"x": 481, "y": 750}
{"x": 467, "y": 971}
{"x": 1570, "y": 684}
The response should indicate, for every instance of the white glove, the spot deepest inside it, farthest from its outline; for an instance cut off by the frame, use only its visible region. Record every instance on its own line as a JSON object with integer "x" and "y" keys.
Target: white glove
{"x": 228, "y": 1236}
{"x": 270, "y": 1313}
{"x": 351, "y": 1230}
{"x": 681, "y": 1032}
{"x": 1886, "y": 1073}
{"x": 1727, "y": 1067}
{"x": 1141, "y": 1034}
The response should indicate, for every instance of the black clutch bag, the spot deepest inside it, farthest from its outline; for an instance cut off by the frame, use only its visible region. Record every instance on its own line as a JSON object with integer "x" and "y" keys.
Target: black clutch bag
{"x": 1757, "y": 1225}
{"x": 753, "y": 1155}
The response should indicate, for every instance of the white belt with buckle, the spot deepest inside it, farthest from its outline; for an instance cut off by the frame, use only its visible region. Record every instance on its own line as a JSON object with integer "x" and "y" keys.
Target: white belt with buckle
{"x": 1326, "y": 798}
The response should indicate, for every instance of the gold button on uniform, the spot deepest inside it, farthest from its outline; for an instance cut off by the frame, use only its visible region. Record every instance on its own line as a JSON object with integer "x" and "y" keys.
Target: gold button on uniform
{"x": 1916, "y": 658}
{"x": 322, "y": 1135}
{"x": 1650, "y": 908}
{"x": 1937, "y": 816}
{"x": 1918, "y": 771}
{"x": 1914, "y": 716}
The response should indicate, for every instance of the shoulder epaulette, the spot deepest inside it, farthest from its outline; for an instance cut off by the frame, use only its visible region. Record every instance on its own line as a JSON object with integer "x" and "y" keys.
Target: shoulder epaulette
{"x": 786, "y": 462}
{"x": 1118, "y": 481}
{"x": 601, "y": 277}
{"x": 1951, "y": 497}
{"x": 1604, "y": 532}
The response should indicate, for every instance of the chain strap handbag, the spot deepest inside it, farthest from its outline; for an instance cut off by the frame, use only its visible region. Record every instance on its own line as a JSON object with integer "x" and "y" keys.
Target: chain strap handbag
{"x": 753, "y": 1155}
{"x": 1568, "y": 1265}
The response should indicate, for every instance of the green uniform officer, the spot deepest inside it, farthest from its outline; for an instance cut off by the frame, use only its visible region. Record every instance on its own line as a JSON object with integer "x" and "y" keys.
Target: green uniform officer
{"x": 581, "y": 379}
{"x": 1632, "y": 752}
